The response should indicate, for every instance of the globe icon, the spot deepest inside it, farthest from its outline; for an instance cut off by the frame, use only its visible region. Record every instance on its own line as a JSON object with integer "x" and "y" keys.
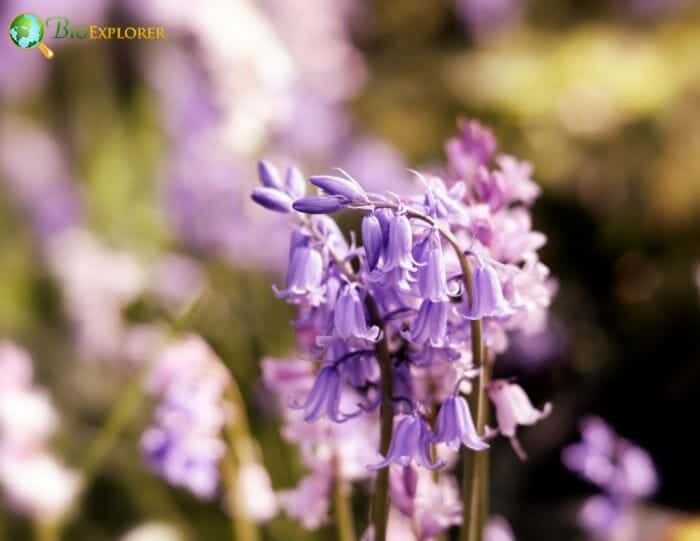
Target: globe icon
{"x": 27, "y": 31}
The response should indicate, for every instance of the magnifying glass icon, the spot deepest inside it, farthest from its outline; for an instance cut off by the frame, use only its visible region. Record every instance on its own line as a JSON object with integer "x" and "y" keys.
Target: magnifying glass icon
{"x": 27, "y": 31}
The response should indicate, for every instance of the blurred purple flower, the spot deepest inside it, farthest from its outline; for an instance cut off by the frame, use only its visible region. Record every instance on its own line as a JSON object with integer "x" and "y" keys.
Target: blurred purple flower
{"x": 486, "y": 18}
{"x": 184, "y": 445}
{"x": 622, "y": 470}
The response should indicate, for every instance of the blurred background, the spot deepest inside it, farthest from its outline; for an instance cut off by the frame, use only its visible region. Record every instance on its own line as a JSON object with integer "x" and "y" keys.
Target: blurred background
{"x": 126, "y": 166}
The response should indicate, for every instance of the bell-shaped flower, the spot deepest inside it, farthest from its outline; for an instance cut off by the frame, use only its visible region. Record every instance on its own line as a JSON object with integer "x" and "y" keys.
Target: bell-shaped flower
{"x": 455, "y": 425}
{"x": 411, "y": 441}
{"x": 513, "y": 408}
{"x": 372, "y": 239}
{"x": 430, "y": 324}
{"x": 304, "y": 277}
{"x": 487, "y": 299}
{"x": 324, "y": 398}
{"x": 432, "y": 276}
{"x": 350, "y": 319}
{"x": 399, "y": 246}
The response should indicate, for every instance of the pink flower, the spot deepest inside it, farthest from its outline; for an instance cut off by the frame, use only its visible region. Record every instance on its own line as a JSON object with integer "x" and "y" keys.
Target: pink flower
{"x": 513, "y": 408}
{"x": 15, "y": 367}
{"x": 38, "y": 485}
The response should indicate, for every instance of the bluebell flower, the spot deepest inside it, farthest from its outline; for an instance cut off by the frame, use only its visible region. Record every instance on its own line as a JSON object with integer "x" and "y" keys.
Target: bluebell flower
{"x": 456, "y": 427}
{"x": 432, "y": 276}
{"x": 372, "y": 240}
{"x": 487, "y": 298}
{"x": 430, "y": 323}
{"x": 399, "y": 246}
{"x": 350, "y": 319}
{"x": 304, "y": 277}
{"x": 411, "y": 441}
{"x": 324, "y": 398}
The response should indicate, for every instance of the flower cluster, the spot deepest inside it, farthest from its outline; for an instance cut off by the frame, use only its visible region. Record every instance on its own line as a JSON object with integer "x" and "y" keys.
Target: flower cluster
{"x": 623, "y": 471}
{"x": 405, "y": 322}
{"x": 35, "y": 482}
{"x": 184, "y": 445}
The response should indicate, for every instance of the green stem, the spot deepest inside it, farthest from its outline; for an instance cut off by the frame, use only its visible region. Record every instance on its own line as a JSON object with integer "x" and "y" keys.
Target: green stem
{"x": 379, "y": 508}
{"x": 380, "y": 501}
{"x": 343, "y": 511}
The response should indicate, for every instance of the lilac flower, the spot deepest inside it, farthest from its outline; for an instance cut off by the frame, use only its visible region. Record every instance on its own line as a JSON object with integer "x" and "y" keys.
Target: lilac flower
{"x": 184, "y": 445}
{"x": 343, "y": 187}
{"x": 272, "y": 199}
{"x": 319, "y": 204}
{"x": 472, "y": 148}
{"x": 430, "y": 323}
{"x": 432, "y": 276}
{"x": 349, "y": 317}
{"x": 398, "y": 253}
{"x": 324, "y": 398}
{"x": 304, "y": 276}
{"x": 269, "y": 176}
{"x": 411, "y": 441}
{"x": 456, "y": 427}
{"x": 373, "y": 239}
{"x": 487, "y": 299}
{"x": 622, "y": 470}
{"x": 513, "y": 408}
{"x": 310, "y": 501}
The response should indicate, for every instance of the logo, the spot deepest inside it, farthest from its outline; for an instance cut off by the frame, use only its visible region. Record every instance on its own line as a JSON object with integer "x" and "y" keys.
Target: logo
{"x": 27, "y": 31}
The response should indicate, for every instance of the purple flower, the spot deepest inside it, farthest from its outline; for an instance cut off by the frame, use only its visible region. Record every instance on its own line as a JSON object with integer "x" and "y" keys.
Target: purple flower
{"x": 513, "y": 408}
{"x": 324, "y": 398}
{"x": 272, "y": 199}
{"x": 319, "y": 204}
{"x": 487, "y": 298}
{"x": 432, "y": 276}
{"x": 343, "y": 187}
{"x": 372, "y": 239}
{"x": 294, "y": 183}
{"x": 472, "y": 148}
{"x": 455, "y": 425}
{"x": 349, "y": 317}
{"x": 304, "y": 277}
{"x": 411, "y": 441}
{"x": 399, "y": 246}
{"x": 184, "y": 444}
{"x": 616, "y": 465}
{"x": 622, "y": 470}
{"x": 430, "y": 323}
{"x": 269, "y": 176}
